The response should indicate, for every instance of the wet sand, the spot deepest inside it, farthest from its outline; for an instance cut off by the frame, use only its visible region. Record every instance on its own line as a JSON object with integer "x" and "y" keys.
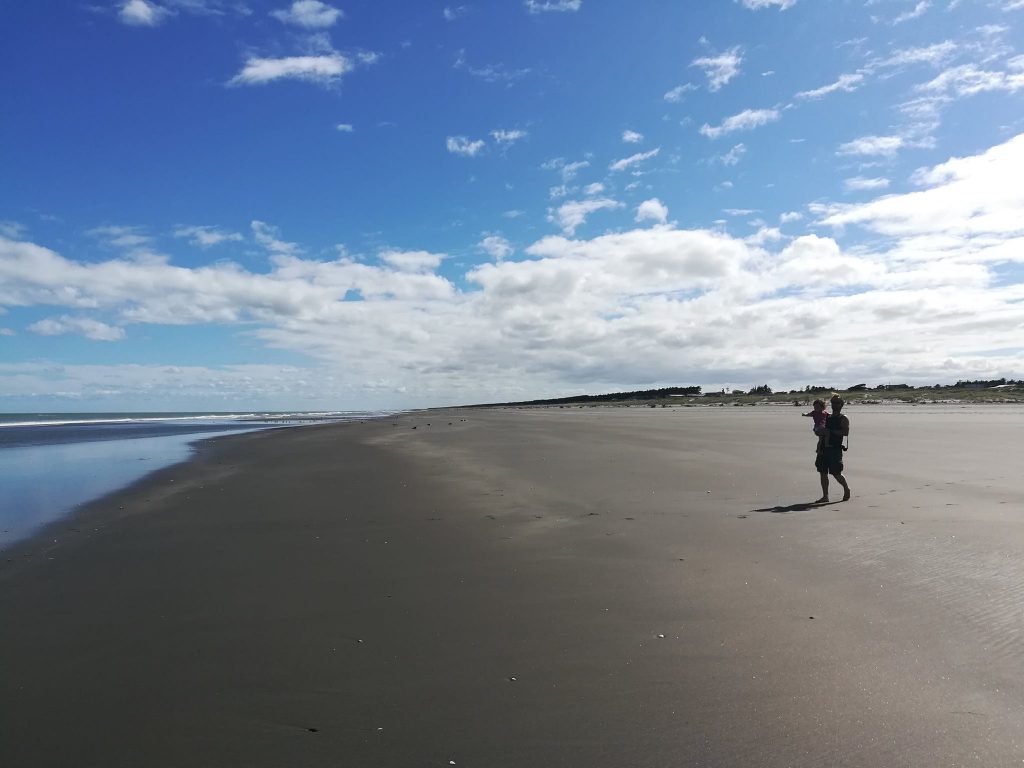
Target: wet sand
{"x": 546, "y": 587}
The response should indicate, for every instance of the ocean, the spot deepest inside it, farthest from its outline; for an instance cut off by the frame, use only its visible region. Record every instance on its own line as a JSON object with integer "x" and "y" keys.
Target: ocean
{"x": 50, "y": 463}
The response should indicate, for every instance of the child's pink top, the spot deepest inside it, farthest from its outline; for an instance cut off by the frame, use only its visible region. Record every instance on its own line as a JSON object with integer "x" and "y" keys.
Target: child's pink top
{"x": 819, "y": 417}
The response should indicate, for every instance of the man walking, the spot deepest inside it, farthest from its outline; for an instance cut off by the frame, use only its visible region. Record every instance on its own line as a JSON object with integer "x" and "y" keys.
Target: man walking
{"x": 829, "y": 459}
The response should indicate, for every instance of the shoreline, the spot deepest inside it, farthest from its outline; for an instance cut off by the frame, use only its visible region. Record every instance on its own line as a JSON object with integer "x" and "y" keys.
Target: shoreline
{"x": 53, "y": 469}
{"x": 522, "y": 587}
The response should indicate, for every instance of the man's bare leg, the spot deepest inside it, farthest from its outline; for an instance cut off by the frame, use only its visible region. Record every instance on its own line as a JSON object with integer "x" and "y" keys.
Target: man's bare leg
{"x": 824, "y": 488}
{"x": 846, "y": 488}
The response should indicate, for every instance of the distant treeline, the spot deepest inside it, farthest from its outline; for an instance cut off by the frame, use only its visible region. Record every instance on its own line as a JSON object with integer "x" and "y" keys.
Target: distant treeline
{"x": 614, "y": 397}
{"x": 763, "y": 390}
{"x": 961, "y": 384}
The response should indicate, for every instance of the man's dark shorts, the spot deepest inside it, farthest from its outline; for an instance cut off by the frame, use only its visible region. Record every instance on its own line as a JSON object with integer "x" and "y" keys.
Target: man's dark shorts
{"x": 830, "y": 460}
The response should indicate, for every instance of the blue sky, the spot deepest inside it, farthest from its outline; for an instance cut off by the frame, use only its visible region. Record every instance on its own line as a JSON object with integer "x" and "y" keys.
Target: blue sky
{"x": 217, "y": 204}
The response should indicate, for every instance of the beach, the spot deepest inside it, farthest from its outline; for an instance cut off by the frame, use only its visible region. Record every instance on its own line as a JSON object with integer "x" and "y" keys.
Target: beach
{"x": 604, "y": 586}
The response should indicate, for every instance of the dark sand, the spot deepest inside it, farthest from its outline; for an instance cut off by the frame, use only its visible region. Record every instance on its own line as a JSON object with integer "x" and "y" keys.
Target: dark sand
{"x": 561, "y": 587}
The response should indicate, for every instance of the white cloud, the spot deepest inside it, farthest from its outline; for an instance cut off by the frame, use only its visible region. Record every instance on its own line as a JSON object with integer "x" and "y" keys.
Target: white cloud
{"x": 639, "y": 157}
{"x": 412, "y": 261}
{"x": 756, "y": 5}
{"x": 269, "y": 237}
{"x": 7, "y": 332}
{"x": 345, "y": 127}
{"x": 319, "y": 69}
{"x": 547, "y": 6}
{"x": 496, "y": 246}
{"x": 451, "y": 13}
{"x": 652, "y": 210}
{"x": 676, "y": 94}
{"x": 310, "y": 14}
{"x": 618, "y": 311}
{"x": 568, "y": 170}
{"x": 764, "y": 235}
{"x": 120, "y": 236}
{"x": 593, "y": 189}
{"x": 574, "y": 214}
{"x": 460, "y": 145}
{"x": 885, "y": 146}
{"x": 491, "y": 73}
{"x": 934, "y": 55}
{"x": 968, "y": 80}
{"x": 12, "y": 229}
{"x": 720, "y": 69}
{"x": 913, "y": 13}
{"x": 860, "y": 184}
{"x": 204, "y": 237}
{"x": 732, "y": 157}
{"x": 632, "y": 137}
{"x": 746, "y": 120}
{"x": 507, "y": 138}
{"x": 91, "y": 329}
{"x": 790, "y": 216}
{"x": 969, "y": 197}
{"x": 848, "y": 82}
{"x": 142, "y": 13}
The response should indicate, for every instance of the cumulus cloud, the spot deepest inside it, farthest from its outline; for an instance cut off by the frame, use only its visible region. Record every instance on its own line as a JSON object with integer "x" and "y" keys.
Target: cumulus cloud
{"x": 322, "y": 69}
{"x": 652, "y": 210}
{"x": 345, "y": 127}
{"x": 269, "y": 237}
{"x": 142, "y": 13}
{"x": 460, "y": 145}
{"x": 885, "y": 146}
{"x": 964, "y": 198}
{"x": 309, "y": 14}
{"x": 506, "y": 138}
{"x": 632, "y": 137}
{"x": 746, "y": 120}
{"x": 620, "y": 310}
{"x": 639, "y": 157}
{"x": 411, "y": 261}
{"x": 206, "y": 237}
{"x": 574, "y": 213}
{"x": 596, "y": 188}
{"x": 120, "y": 236}
{"x": 548, "y": 6}
{"x": 935, "y": 291}
{"x": 861, "y": 184}
{"x": 720, "y": 69}
{"x": 756, "y": 5}
{"x": 84, "y": 326}
{"x": 496, "y": 246}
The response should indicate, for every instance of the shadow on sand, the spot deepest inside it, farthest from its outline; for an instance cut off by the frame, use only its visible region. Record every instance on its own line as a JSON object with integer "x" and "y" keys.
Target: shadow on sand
{"x": 803, "y": 506}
